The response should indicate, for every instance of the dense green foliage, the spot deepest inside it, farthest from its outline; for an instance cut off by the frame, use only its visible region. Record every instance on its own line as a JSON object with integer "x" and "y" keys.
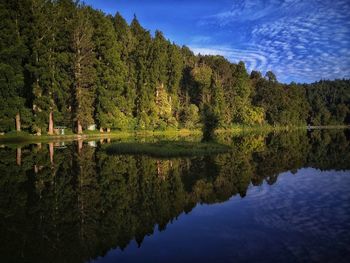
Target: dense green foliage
{"x": 65, "y": 64}
{"x": 74, "y": 204}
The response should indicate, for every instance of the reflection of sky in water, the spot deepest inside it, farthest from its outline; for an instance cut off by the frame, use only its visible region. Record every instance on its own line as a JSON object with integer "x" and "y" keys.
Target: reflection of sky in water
{"x": 301, "y": 218}
{"x": 75, "y": 203}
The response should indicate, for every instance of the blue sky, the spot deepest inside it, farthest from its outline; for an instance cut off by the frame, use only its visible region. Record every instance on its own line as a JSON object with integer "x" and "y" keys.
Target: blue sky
{"x": 300, "y": 40}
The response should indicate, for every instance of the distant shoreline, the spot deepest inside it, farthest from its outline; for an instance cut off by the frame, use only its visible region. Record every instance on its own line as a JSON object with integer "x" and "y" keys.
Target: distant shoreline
{"x": 25, "y": 137}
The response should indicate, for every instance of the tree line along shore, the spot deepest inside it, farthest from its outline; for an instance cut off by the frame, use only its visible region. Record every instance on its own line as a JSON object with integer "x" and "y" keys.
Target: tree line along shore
{"x": 66, "y": 66}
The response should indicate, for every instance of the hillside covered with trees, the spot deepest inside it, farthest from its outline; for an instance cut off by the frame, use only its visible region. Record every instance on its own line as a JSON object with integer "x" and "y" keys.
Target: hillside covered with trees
{"x": 65, "y": 64}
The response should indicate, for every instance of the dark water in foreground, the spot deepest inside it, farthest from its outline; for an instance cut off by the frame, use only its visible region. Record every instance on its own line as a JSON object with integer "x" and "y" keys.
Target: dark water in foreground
{"x": 276, "y": 198}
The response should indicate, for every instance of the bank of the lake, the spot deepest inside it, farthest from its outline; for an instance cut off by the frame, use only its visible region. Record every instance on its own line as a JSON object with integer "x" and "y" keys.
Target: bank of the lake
{"x": 24, "y": 137}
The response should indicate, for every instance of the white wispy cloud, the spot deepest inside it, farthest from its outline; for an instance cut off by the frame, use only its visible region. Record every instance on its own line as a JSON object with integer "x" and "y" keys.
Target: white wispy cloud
{"x": 301, "y": 40}
{"x": 254, "y": 59}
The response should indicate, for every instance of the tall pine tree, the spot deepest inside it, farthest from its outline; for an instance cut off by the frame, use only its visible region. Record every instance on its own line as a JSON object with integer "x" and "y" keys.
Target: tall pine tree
{"x": 83, "y": 70}
{"x": 127, "y": 42}
{"x": 12, "y": 56}
{"x": 111, "y": 73}
{"x": 145, "y": 103}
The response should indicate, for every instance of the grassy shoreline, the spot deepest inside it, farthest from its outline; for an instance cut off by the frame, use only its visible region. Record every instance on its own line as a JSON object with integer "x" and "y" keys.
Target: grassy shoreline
{"x": 269, "y": 128}
{"x": 26, "y": 137}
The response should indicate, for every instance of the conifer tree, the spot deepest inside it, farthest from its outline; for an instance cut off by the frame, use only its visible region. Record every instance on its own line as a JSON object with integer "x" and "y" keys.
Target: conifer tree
{"x": 158, "y": 77}
{"x": 242, "y": 91}
{"x": 12, "y": 55}
{"x": 202, "y": 76}
{"x": 111, "y": 72}
{"x": 127, "y": 42}
{"x": 145, "y": 106}
{"x": 65, "y": 17}
{"x": 158, "y": 59}
{"x": 42, "y": 63}
{"x": 175, "y": 67}
{"x": 218, "y": 101}
{"x": 83, "y": 70}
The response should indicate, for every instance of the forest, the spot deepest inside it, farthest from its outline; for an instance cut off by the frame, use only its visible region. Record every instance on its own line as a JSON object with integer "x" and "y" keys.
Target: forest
{"x": 63, "y": 63}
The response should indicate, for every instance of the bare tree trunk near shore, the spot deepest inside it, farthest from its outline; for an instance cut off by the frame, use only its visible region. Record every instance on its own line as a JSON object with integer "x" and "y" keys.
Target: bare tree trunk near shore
{"x": 51, "y": 150}
{"x": 19, "y": 156}
{"x": 79, "y": 127}
{"x": 50, "y": 132}
{"x": 80, "y": 146}
{"x": 18, "y": 122}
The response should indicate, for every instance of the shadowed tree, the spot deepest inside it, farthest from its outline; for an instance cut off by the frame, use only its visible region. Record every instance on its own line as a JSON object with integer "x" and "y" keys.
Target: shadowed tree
{"x": 12, "y": 55}
{"x": 111, "y": 73}
{"x": 83, "y": 70}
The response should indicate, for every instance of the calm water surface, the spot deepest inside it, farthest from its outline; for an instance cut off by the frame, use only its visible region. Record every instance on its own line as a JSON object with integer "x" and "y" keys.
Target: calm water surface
{"x": 275, "y": 198}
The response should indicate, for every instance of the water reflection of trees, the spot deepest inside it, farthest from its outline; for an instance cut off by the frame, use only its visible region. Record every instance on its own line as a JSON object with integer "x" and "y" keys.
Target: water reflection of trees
{"x": 76, "y": 203}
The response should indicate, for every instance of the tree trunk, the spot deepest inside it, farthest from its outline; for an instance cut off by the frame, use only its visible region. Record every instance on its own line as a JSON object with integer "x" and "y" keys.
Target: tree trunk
{"x": 18, "y": 156}
{"x": 18, "y": 122}
{"x": 101, "y": 130}
{"x": 50, "y": 132}
{"x": 80, "y": 146}
{"x": 79, "y": 127}
{"x": 51, "y": 150}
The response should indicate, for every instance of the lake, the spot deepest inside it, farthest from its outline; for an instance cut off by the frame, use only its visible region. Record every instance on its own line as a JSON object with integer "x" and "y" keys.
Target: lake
{"x": 278, "y": 197}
